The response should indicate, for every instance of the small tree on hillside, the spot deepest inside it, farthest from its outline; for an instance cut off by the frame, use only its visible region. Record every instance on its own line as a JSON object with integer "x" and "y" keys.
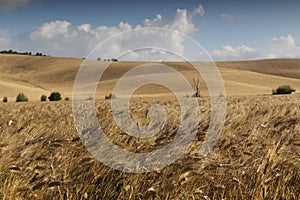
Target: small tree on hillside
{"x": 197, "y": 87}
{"x": 110, "y": 96}
{"x": 43, "y": 98}
{"x": 283, "y": 89}
{"x": 54, "y": 96}
{"x": 21, "y": 97}
{"x": 5, "y": 99}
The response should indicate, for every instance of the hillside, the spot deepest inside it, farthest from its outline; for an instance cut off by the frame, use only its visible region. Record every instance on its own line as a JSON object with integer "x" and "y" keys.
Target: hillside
{"x": 256, "y": 156}
{"x": 41, "y": 75}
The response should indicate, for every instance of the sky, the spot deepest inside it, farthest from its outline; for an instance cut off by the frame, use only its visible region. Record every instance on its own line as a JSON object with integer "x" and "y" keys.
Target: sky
{"x": 190, "y": 29}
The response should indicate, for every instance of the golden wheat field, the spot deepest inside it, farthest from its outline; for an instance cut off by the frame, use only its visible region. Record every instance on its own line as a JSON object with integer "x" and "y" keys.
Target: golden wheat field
{"x": 257, "y": 155}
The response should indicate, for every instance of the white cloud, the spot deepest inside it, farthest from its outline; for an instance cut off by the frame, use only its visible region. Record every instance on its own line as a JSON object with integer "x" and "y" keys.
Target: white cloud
{"x": 61, "y": 38}
{"x": 4, "y": 31}
{"x": 279, "y": 47}
{"x": 228, "y": 52}
{"x": 283, "y": 46}
{"x": 199, "y": 10}
{"x": 283, "y": 42}
{"x": 228, "y": 17}
{"x": 10, "y": 4}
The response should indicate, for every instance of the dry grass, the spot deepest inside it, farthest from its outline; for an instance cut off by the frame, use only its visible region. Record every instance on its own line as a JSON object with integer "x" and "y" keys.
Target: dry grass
{"x": 41, "y": 75}
{"x": 256, "y": 157}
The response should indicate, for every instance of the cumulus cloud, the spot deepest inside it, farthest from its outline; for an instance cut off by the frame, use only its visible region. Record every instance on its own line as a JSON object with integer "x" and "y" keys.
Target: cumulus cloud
{"x": 228, "y": 17}
{"x": 283, "y": 46}
{"x": 10, "y": 4}
{"x": 228, "y": 52}
{"x": 279, "y": 47}
{"x": 62, "y": 38}
{"x": 199, "y": 10}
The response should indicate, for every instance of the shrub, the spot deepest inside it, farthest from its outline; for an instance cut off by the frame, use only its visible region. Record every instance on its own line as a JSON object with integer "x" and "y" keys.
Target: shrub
{"x": 5, "y": 99}
{"x": 89, "y": 98}
{"x": 283, "y": 89}
{"x": 21, "y": 97}
{"x": 43, "y": 98}
{"x": 54, "y": 96}
{"x": 67, "y": 99}
{"x": 110, "y": 96}
{"x": 196, "y": 95}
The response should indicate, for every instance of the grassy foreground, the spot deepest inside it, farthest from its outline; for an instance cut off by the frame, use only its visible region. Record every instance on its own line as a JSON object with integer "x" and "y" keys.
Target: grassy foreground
{"x": 257, "y": 155}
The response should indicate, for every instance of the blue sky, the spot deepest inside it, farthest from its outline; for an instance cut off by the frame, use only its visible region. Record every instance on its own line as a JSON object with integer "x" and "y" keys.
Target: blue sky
{"x": 228, "y": 29}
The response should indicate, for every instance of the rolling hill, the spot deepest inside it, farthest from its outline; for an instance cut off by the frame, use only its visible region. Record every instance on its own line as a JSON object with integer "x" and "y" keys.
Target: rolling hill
{"x": 41, "y": 75}
{"x": 42, "y": 155}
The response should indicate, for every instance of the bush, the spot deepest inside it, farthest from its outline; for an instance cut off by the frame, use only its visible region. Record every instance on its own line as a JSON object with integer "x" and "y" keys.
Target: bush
{"x": 196, "y": 95}
{"x": 110, "y": 96}
{"x": 43, "y": 98}
{"x": 67, "y": 99}
{"x": 21, "y": 97}
{"x": 5, "y": 99}
{"x": 283, "y": 89}
{"x": 89, "y": 98}
{"x": 54, "y": 96}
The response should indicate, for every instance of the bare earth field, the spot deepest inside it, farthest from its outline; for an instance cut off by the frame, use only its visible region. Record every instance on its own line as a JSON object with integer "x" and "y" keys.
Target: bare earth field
{"x": 257, "y": 155}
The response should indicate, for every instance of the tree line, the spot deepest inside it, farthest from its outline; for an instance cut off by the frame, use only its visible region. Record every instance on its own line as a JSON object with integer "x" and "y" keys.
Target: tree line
{"x": 22, "y": 53}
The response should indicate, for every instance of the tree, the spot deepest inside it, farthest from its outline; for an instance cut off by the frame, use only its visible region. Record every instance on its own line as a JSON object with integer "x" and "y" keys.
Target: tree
{"x": 43, "y": 98}
{"x": 110, "y": 96}
{"x": 197, "y": 87}
{"x": 283, "y": 89}
{"x": 21, "y": 97}
{"x": 54, "y": 96}
{"x": 5, "y": 99}
{"x": 98, "y": 59}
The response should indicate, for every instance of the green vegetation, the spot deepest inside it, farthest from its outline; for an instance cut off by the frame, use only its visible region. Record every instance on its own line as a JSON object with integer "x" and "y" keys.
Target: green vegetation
{"x": 67, "y": 99}
{"x": 283, "y": 89}
{"x": 54, "y": 96}
{"x": 5, "y": 99}
{"x": 110, "y": 96}
{"x": 21, "y": 97}
{"x": 21, "y": 53}
{"x": 43, "y": 98}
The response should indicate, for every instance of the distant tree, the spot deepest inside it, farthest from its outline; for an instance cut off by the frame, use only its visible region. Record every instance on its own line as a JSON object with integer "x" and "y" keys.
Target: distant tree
{"x": 5, "y": 99}
{"x": 67, "y": 99}
{"x": 114, "y": 60}
{"x": 38, "y": 54}
{"x": 21, "y": 97}
{"x": 197, "y": 87}
{"x": 98, "y": 59}
{"x": 54, "y": 96}
{"x": 283, "y": 89}
{"x": 43, "y": 98}
{"x": 110, "y": 96}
